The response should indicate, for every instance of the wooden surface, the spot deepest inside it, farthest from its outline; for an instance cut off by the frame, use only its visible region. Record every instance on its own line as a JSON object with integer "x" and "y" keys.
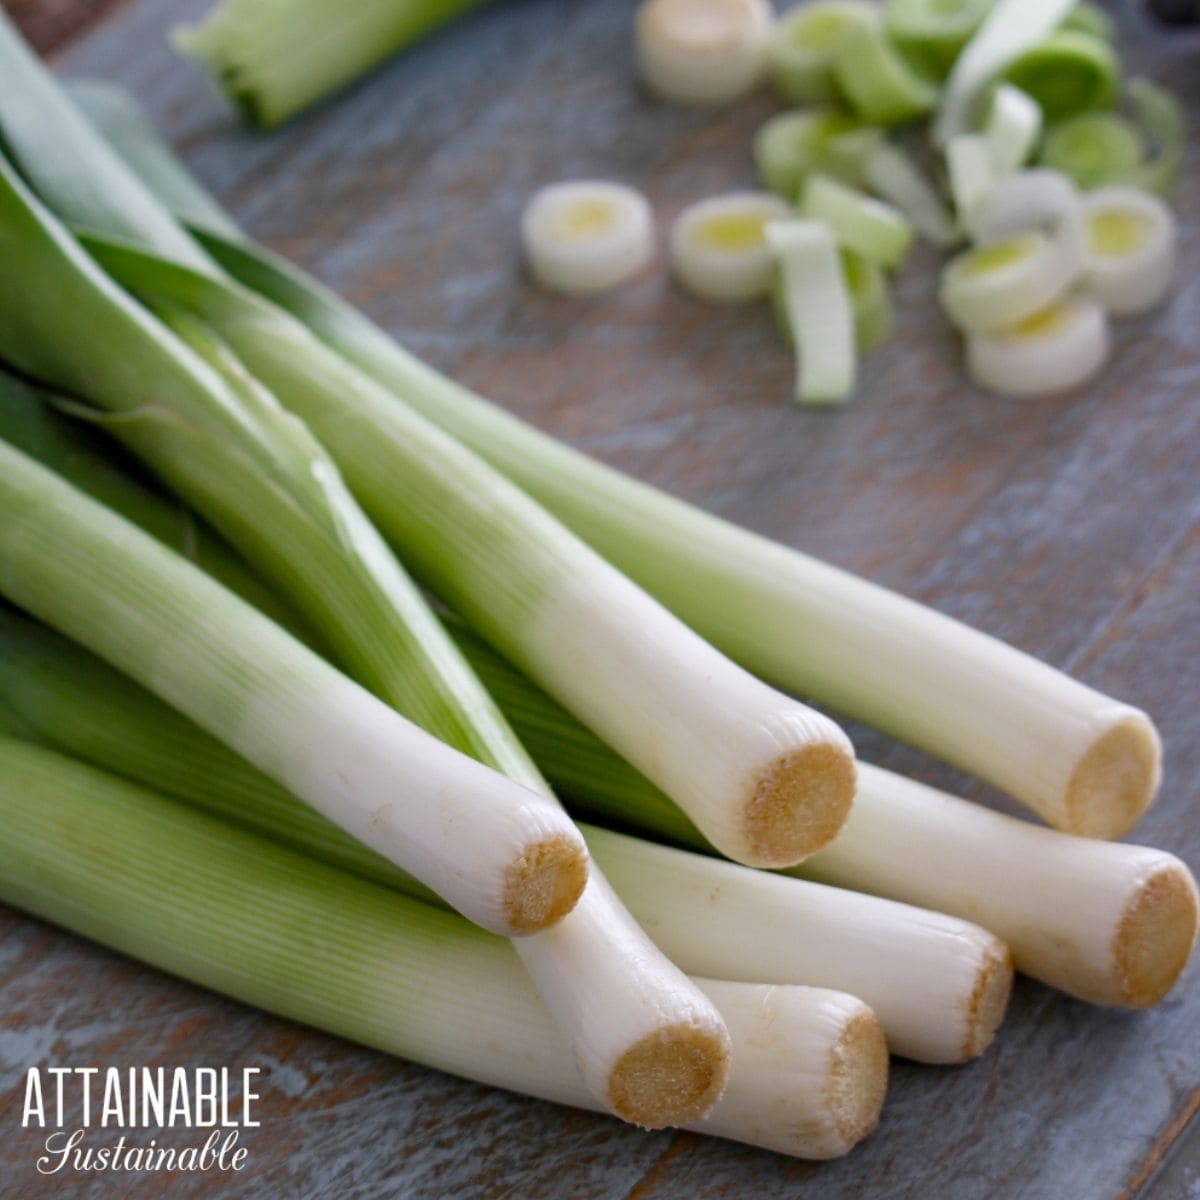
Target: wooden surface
{"x": 1069, "y": 527}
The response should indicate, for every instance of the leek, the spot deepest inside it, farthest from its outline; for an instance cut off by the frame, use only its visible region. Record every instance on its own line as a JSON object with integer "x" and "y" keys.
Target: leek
{"x": 237, "y": 913}
{"x": 1013, "y": 126}
{"x": 805, "y": 43}
{"x": 791, "y": 144}
{"x": 585, "y": 237}
{"x": 1108, "y": 922}
{"x": 816, "y": 304}
{"x": 1067, "y": 74}
{"x": 880, "y": 85}
{"x": 937, "y": 984}
{"x": 704, "y": 52}
{"x": 1130, "y": 251}
{"x": 933, "y": 32}
{"x": 872, "y": 229}
{"x": 719, "y": 250}
{"x": 275, "y": 60}
{"x": 1082, "y": 760}
{"x": 422, "y": 805}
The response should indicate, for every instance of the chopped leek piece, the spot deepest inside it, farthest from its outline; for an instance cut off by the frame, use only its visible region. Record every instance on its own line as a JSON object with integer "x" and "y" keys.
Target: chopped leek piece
{"x": 869, "y": 227}
{"x": 1013, "y": 126}
{"x": 880, "y": 85}
{"x": 1091, "y": 19}
{"x": 892, "y": 174}
{"x": 703, "y": 52}
{"x": 1054, "y": 350}
{"x": 1011, "y": 28}
{"x": 1093, "y": 148}
{"x": 1129, "y": 255}
{"x": 969, "y": 166}
{"x": 719, "y": 250}
{"x": 818, "y": 309}
{"x": 275, "y": 60}
{"x": 932, "y": 32}
{"x": 1160, "y": 116}
{"x": 791, "y": 144}
{"x": 995, "y": 286}
{"x": 871, "y": 297}
{"x": 804, "y": 44}
{"x": 586, "y": 236}
{"x": 1067, "y": 74}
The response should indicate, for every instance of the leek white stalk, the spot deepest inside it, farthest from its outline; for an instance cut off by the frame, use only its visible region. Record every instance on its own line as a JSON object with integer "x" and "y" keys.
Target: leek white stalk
{"x": 1013, "y": 126}
{"x": 972, "y": 177}
{"x": 702, "y": 52}
{"x": 501, "y": 854}
{"x": 231, "y": 911}
{"x": 1082, "y": 760}
{"x": 870, "y": 228}
{"x": 1107, "y": 922}
{"x": 804, "y": 43}
{"x": 718, "y": 249}
{"x": 769, "y": 778}
{"x": 1056, "y": 349}
{"x": 586, "y": 236}
{"x": 817, "y": 305}
{"x": 937, "y": 984}
{"x": 1129, "y": 256}
{"x": 1011, "y": 28}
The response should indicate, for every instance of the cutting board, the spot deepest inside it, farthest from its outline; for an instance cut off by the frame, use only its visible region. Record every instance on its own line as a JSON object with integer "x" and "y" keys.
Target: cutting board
{"x": 1069, "y": 527}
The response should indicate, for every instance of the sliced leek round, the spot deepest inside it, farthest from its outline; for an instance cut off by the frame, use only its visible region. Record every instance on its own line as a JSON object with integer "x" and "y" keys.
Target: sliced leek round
{"x": 719, "y": 250}
{"x": 1129, "y": 249}
{"x": 996, "y": 286}
{"x": 587, "y": 236}
{"x": 702, "y": 52}
{"x": 805, "y": 41}
{"x": 932, "y": 32}
{"x": 1054, "y": 350}
{"x": 872, "y": 229}
{"x": 1067, "y": 74}
{"x": 1093, "y": 148}
{"x": 793, "y": 143}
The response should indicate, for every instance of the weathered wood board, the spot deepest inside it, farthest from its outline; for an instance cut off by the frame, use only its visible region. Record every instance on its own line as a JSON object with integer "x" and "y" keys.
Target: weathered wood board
{"x": 1069, "y": 527}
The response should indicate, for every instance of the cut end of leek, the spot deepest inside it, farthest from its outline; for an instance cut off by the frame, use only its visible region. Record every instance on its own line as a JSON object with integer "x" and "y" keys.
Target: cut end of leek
{"x": 989, "y": 1000}
{"x": 1156, "y": 936}
{"x": 1052, "y": 351}
{"x": 1115, "y": 781}
{"x": 719, "y": 248}
{"x": 702, "y": 52}
{"x": 671, "y": 1076}
{"x": 544, "y": 884}
{"x": 1067, "y": 74}
{"x": 585, "y": 237}
{"x": 1129, "y": 249}
{"x": 857, "y": 1080}
{"x": 798, "y": 804}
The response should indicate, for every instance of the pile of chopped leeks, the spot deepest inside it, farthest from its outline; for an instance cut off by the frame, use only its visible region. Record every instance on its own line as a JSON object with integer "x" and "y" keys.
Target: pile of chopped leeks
{"x": 1056, "y": 191}
{"x": 303, "y": 786}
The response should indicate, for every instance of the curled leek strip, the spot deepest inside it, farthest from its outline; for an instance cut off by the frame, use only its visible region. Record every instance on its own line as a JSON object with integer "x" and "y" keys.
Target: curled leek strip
{"x": 1011, "y": 28}
{"x": 1129, "y": 254}
{"x": 880, "y": 85}
{"x": 702, "y": 51}
{"x": 932, "y": 32}
{"x": 892, "y": 174}
{"x": 871, "y": 299}
{"x": 804, "y": 44}
{"x": 719, "y": 250}
{"x": 1052, "y": 351}
{"x": 969, "y": 166}
{"x": 586, "y": 237}
{"x": 872, "y": 229}
{"x": 1066, "y": 74}
{"x": 791, "y": 144}
{"x": 817, "y": 307}
{"x": 1013, "y": 126}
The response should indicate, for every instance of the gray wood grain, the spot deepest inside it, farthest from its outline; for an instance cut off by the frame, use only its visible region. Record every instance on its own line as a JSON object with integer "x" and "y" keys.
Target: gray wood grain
{"x": 1070, "y": 527}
